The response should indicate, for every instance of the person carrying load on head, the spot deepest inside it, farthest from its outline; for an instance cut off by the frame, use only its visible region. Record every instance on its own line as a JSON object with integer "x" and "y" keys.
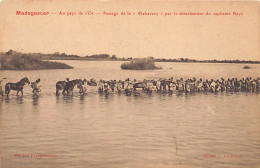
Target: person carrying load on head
{"x": 35, "y": 87}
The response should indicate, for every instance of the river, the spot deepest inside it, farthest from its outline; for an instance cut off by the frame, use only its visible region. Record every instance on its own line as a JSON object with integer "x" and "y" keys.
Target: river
{"x": 149, "y": 130}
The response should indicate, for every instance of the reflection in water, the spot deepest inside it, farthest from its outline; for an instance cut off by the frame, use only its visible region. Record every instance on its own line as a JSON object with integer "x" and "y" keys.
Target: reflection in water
{"x": 82, "y": 97}
{"x": 140, "y": 130}
{"x": 19, "y": 99}
{"x": 58, "y": 99}
{"x": 35, "y": 100}
{"x": 67, "y": 98}
{"x": 6, "y": 99}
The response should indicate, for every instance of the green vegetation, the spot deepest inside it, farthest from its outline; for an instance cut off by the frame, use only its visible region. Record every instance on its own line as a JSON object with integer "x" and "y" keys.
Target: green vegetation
{"x": 140, "y": 64}
{"x": 17, "y": 61}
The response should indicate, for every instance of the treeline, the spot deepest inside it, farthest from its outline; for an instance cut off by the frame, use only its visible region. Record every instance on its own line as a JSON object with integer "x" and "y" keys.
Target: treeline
{"x": 205, "y": 61}
{"x": 102, "y": 56}
{"x": 58, "y": 55}
{"x": 99, "y": 56}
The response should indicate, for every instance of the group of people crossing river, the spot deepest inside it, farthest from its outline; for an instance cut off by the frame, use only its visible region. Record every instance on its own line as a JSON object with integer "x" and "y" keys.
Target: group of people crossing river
{"x": 129, "y": 86}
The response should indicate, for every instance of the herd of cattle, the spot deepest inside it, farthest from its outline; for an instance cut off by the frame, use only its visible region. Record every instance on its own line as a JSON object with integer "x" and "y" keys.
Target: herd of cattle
{"x": 129, "y": 87}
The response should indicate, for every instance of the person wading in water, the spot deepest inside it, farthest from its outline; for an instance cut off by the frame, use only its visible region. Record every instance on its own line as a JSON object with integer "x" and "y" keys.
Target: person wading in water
{"x": 35, "y": 87}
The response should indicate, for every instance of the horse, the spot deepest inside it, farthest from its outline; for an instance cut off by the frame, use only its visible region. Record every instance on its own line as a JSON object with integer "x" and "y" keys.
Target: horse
{"x": 69, "y": 86}
{"x": 16, "y": 86}
{"x": 60, "y": 86}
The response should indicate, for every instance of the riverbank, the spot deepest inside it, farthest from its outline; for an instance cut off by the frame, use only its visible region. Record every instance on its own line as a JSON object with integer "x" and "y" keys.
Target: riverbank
{"x": 19, "y": 61}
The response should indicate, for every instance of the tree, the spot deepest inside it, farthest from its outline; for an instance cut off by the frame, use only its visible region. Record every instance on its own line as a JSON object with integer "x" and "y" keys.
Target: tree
{"x": 114, "y": 57}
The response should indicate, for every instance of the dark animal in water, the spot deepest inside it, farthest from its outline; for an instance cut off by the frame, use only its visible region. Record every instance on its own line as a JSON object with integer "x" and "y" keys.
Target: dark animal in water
{"x": 60, "y": 86}
{"x": 157, "y": 84}
{"x": 16, "y": 86}
{"x": 92, "y": 82}
{"x": 165, "y": 84}
{"x": 139, "y": 85}
{"x": 112, "y": 85}
{"x": 69, "y": 86}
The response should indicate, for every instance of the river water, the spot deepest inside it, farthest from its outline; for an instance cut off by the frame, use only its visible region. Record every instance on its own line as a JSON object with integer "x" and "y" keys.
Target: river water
{"x": 149, "y": 130}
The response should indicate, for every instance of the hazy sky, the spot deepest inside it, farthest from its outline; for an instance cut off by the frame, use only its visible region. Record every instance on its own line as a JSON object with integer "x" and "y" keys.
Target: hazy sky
{"x": 194, "y": 37}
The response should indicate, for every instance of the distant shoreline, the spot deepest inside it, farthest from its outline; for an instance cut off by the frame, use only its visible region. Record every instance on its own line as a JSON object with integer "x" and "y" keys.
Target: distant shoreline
{"x": 156, "y": 60}
{"x": 107, "y": 57}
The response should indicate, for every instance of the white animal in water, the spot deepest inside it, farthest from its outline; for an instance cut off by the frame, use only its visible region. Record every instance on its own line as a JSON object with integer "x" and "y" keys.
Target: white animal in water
{"x": 213, "y": 86}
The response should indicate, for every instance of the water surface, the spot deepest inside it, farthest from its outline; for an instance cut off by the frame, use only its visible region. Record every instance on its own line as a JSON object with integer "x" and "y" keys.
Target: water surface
{"x": 149, "y": 130}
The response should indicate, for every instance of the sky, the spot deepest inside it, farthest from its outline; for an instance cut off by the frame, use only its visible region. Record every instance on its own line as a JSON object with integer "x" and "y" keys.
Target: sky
{"x": 172, "y": 37}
